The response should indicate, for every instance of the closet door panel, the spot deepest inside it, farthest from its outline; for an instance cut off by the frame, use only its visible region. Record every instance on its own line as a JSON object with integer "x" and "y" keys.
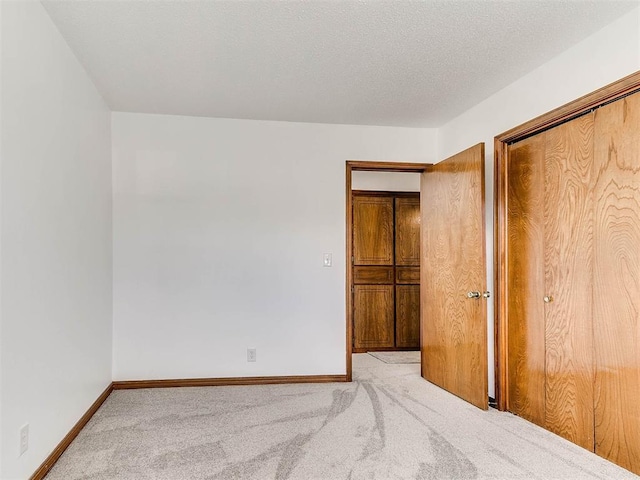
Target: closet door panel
{"x": 408, "y": 231}
{"x": 408, "y": 316}
{"x": 568, "y": 281}
{"x": 372, "y": 230}
{"x": 373, "y": 316}
{"x": 617, "y": 282}
{"x": 525, "y": 250}
{"x": 372, "y": 275}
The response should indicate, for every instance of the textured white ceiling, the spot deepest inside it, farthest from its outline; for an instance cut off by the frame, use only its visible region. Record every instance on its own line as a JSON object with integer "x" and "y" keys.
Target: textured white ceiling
{"x": 403, "y": 63}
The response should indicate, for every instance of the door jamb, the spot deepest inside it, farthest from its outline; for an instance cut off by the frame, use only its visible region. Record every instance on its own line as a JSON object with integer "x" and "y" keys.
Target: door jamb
{"x": 364, "y": 166}
{"x": 600, "y": 97}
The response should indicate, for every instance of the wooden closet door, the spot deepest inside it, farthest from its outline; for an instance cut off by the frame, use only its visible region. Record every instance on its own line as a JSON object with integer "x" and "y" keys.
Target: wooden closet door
{"x": 617, "y": 282}
{"x": 372, "y": 230}
{"x": 525, "y": 250}
{"x": 568, "y": 256}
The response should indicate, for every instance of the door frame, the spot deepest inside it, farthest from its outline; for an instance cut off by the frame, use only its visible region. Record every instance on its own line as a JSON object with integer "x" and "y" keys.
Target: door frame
{"x": 565, "y": 113}
{"x": 364, "y": 166}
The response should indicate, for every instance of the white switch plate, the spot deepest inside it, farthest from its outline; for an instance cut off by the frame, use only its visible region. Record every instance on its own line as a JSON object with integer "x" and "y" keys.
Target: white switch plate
{"x": 24, "y": 438}
{"x": 327, "y": 260}
{"x": 251, "y": 354}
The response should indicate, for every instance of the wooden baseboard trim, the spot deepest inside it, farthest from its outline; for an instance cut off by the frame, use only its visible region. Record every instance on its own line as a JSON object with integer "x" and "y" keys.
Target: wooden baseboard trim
{"x": 225, "y": 382}
{"x": 51, "y": 460}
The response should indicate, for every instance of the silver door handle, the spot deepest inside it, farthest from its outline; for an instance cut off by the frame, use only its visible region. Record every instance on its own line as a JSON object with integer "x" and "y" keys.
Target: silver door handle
{"x": 486, "y": 294}
{"x": 473, "y": 295}
{"x": 548, "y": 298}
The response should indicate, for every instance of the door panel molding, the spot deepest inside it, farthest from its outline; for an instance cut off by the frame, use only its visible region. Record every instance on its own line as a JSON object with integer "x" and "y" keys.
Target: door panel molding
{"x": 373, "y": 316}
{"x": 406, "y": 231}
{"x": 373, "y": 222}
{"x": 386, "y": 243}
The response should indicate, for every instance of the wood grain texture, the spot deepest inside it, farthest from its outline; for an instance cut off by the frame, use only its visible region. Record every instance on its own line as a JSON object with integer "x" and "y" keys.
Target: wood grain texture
{"x": 617, "y": 282}
{"x": 372, "y": 275}
{"x": 568, "y": 276}
{"x": 454, "y": 327}
{"x": 226, "y": 381}
{"x": 372, "y": 230}
{"x": 373, "y": 316}
{"x": 407, "y": 231}
{"x": 525, "y": 250}
{"x": 53, "y": 457}
{"x": 408, "y": 275}
{"x": 408, "y": 316}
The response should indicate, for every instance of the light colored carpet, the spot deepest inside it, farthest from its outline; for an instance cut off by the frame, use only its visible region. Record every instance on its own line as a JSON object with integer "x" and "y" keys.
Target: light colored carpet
{"x": 397, "y": 357}
{"x": 388, "y": 424}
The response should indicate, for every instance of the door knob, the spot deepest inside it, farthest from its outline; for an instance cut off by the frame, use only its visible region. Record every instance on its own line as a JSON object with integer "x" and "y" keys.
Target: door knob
{"x": 548, "y": 298}
{"x": 486, "y": 294}
{"x": 473, "y": 294}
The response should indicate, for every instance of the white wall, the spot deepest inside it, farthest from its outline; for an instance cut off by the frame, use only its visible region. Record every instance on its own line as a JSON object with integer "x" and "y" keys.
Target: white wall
{"x": 386, "y": 181}
{"x": 55, "y": 238}
{"x": 604, "y": 57}
{"x": 219, "y": 231}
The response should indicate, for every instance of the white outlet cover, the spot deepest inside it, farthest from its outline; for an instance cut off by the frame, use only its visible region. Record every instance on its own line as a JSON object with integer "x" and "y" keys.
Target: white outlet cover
{"x": 327, "y": 259}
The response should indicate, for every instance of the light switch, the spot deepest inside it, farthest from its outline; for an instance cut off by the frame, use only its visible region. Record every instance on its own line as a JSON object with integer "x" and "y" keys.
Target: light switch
{"x": 327, "y": 260}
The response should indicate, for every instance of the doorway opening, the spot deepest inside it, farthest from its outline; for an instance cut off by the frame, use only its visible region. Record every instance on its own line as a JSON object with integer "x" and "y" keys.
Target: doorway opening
{"x": 452, "y": 266}
{"x": 384, "y": 284}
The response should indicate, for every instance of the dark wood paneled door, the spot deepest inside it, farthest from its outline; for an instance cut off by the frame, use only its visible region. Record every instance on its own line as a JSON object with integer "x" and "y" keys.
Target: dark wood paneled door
{"x": 453, "y": 276}
{"x": 386, "y": 271}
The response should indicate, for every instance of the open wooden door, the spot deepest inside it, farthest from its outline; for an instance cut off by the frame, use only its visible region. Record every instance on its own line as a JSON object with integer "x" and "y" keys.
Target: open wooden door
{"x": 453, "y": 276}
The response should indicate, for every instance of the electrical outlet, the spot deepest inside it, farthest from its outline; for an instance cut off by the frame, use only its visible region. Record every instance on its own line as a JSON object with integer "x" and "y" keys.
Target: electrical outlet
{"x": 24, "y": 438}
{"x": 251, "y": 354}
{"x": 327, "y": 260}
